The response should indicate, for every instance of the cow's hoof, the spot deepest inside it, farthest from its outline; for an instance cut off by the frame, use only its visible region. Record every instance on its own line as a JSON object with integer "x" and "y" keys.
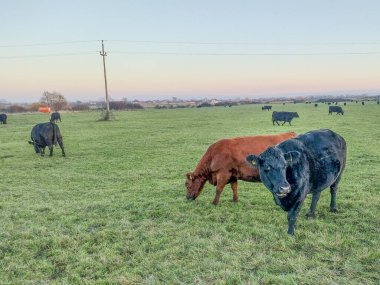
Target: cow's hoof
{"x": 310, "y": 215}
{"x": 334, "y": 210}
{"x": 215, "y": 203}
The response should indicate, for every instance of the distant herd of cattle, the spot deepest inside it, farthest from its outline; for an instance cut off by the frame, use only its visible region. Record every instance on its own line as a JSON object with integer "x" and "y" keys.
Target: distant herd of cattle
{"x": 290, "y": 166}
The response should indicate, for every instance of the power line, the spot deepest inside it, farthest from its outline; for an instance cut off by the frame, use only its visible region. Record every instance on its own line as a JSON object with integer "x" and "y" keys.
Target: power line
{"x": 48, "y": 44}
{"x": 247, "y": 43}
{"x": 47, "y": 55}
{"x": 197, "y": 43}
{"x": 246, "y": 54}
{"x": 192, "y": 54}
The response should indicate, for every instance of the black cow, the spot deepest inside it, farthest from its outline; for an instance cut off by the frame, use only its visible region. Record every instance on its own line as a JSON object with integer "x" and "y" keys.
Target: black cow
{"x": 306, "y": 164}
{"x": 336, "y": 109}
{"x": 283, "y": 117}
{"x": 315, "y": 105}
{"x": 3, "y": 118}
{"x": 363, "y": 103}
{"x": 55, "y": 117}
{"x": 344, "y": 103}
{"x": 266, "y": 107}
{"x": 46, "y": 135}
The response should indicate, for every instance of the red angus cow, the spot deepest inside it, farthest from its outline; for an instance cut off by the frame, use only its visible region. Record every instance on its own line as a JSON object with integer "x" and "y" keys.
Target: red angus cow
{"x": 224, "y": 162}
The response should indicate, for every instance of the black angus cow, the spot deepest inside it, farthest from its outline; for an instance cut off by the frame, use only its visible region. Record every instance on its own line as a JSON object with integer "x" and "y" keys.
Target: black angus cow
{"x": 315, "y": 105}
{"x": 3, "y": 118}
{"x": 266, "y": 107}
{"x": 55, "y": 117}
{"x": 46, "y": 135}
{"x": 306, "y": 164}
{"x": 283, "y": 117}
{"x": 362, "y": 103}
{"x": 336, "y": 109}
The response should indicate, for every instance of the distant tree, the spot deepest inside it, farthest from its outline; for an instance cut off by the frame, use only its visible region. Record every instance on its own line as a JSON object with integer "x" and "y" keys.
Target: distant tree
{"x": 16, "y": 109}
{"x": 34, "y": 106}
{"x": 54, "y": 100}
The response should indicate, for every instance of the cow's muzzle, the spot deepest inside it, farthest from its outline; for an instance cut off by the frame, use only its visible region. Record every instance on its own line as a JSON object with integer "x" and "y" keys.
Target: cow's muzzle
{"x": 190, "y": 196}
{"x": 283, "y": 191}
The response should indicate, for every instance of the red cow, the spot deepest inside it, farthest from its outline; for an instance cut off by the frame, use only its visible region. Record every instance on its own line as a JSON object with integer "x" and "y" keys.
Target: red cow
{"x": 224, "y": 162}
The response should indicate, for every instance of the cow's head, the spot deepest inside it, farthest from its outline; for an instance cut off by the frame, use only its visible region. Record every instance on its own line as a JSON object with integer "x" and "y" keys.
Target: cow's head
{"x": 295, "y": 114}
{"x": 194, "y": 185}
{"x": 272, "y": 165}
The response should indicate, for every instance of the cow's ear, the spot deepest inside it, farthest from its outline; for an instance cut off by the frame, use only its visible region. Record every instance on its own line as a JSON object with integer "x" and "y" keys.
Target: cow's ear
{"x": 292, "y": 157}
{"x": 252, "y": 159}
{"x": 190, "y": 176}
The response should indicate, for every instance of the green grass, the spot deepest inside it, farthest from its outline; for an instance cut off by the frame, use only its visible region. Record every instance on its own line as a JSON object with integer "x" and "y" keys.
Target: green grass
{"x": 114, "y": 210}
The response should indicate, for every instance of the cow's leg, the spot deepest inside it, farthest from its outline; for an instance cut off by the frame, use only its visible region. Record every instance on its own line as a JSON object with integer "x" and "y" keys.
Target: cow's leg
{"x": 234, "y": 186}
{"x": 277, "y": 123}
{"x": 36, "y": 148}
{"x": 50, "y": 146}
{"x": 314, "y": 201}
{"x": 292, "y": 217}
{"x": 283, "y": 123}
{"x": 221, "y": 181}
{"x": 62, "y": 148}
{"x": 290, "y": 123}
{"x": 333, "y": 190}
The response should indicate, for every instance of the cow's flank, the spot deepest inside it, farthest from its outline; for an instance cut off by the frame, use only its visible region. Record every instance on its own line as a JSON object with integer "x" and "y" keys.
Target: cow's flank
{"x": 224, "y": 162}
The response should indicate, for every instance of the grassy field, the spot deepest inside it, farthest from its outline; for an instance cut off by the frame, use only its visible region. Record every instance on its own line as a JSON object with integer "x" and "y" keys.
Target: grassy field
{"x": 114, "y": 210}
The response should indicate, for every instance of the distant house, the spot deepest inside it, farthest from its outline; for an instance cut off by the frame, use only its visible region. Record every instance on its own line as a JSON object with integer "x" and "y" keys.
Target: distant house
{"x": 214, "y": 101}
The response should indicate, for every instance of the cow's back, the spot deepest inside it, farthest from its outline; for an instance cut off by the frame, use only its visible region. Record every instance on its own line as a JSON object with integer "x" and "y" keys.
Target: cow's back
{"x": 231, "y": 153}
{"x": 325, "y": 152}
{"x": 43, "y": 134}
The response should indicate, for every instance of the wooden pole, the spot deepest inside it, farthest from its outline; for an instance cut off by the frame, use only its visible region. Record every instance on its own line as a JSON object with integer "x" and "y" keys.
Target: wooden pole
{"x": 104, "y": 54}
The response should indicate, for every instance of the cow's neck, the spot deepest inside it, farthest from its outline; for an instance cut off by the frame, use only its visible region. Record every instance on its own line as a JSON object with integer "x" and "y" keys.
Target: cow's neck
{"x": 203, "y": 169}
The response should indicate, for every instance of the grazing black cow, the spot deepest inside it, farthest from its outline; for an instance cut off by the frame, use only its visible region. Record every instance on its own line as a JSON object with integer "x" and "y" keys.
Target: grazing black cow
{"x": 55, "y": 117}
{"x": 315, "y": 105}
{"x": 3, "y": 118}
{"x": 266, "y": 107}
{"x": 344, "y": 103}
{"x": 336, "y": 109}
{"x": 283, "y": 117}
{"x": 46, "y": 135}
{"x": 363, "y": 103}
{"x": 378, "y": 102}
{"x": 306, "y": 164}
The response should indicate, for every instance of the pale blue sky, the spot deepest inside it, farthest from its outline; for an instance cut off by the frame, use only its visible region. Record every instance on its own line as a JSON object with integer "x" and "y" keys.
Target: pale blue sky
{"x": 189, "y": 49}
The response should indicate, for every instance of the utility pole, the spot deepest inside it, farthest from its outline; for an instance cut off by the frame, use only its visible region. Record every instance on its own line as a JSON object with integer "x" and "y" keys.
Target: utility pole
{"x": 104, "y": 54}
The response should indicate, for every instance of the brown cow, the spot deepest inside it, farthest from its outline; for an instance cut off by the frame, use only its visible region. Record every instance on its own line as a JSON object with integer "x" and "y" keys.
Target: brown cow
{"x": 224, "y": 162}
